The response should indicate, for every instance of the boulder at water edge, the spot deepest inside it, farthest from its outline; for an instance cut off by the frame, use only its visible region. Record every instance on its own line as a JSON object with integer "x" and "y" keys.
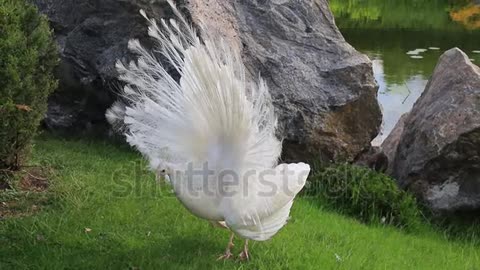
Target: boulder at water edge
{"x": 438, "y": 152}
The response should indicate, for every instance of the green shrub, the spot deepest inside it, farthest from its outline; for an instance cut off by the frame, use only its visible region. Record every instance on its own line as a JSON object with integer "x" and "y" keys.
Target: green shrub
{"x": 27, "y": 58}
{"x": 367, "y": 195}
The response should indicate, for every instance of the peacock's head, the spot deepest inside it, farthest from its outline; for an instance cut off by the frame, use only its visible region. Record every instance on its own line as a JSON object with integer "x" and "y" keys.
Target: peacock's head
{"x": 162, "y": 172}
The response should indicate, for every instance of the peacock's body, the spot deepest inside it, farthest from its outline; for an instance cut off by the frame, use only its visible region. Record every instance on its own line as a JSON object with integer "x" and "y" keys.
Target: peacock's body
{"x": 211, "y": 133}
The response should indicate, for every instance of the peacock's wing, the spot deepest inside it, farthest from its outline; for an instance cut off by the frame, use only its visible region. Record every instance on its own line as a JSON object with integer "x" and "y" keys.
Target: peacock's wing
{"x": 262, "y": 208}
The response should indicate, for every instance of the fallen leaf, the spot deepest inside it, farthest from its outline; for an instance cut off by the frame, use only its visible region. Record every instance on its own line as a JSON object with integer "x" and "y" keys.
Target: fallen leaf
{"x": 23, "y": 107}
{"x": 87, "y": 230}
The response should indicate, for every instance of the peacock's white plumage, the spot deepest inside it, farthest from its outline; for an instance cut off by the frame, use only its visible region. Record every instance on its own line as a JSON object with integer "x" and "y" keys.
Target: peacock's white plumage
{"x": 210, "y": 119}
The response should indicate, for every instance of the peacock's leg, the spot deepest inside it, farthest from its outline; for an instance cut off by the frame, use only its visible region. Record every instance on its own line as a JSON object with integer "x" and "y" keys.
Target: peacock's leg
{"x": 243, "y": 256}
{"x": 228, "y": 252}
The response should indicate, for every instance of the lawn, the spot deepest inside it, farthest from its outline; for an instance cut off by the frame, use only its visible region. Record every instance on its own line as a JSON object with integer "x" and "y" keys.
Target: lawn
{"x": 102, "y": 210}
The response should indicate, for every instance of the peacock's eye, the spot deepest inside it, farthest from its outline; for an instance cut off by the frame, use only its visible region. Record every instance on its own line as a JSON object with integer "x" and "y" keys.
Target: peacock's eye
{"x": 162, "y": 171}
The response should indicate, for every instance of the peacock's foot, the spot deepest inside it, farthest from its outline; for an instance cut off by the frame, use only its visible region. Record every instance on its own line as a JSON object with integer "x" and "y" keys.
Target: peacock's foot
{"x": 244, "y": 256}
{"x": 228, "y": 255}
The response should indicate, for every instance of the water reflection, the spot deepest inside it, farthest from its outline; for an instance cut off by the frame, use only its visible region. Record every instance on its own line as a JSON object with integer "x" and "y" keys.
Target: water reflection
{"x": 404, "y": 38}
{"x": 396, "y": 99}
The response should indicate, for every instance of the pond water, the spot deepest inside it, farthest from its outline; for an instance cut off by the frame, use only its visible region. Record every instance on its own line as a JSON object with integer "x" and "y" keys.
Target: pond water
{"x": 404, "y": 39}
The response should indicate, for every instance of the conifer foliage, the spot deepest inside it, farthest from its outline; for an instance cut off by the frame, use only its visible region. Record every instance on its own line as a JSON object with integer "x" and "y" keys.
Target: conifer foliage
{"x": 28, "y": 56}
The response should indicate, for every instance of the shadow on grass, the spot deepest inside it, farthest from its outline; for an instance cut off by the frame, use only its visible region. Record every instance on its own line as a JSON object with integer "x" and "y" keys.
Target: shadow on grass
{"x": 102, "y": 251}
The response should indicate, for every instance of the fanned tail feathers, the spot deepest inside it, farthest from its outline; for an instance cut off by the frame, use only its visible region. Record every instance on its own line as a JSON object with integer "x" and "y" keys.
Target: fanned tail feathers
{"x": 210, "y": 115}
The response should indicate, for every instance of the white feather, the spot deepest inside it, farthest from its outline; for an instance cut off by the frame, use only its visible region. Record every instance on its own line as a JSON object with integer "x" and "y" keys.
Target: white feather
{"x": 211, "y": 116}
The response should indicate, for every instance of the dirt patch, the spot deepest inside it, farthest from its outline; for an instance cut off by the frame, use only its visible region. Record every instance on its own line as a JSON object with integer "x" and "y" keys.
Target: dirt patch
{"x": 26, "y": 195}
{"x": 34, "y": 179}
{"x": 17, "y": 209}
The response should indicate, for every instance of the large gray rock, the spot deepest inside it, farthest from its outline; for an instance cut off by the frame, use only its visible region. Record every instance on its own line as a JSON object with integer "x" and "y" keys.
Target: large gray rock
{"x": 438, "y": 152}
{"x": 91, "y": 36}
{"x": 390, "y": 144}
{"x": 323, "y": 89}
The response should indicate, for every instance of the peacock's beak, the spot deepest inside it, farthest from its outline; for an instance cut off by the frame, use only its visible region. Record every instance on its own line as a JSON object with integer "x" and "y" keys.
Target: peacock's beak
{"x": 167, "y": 178}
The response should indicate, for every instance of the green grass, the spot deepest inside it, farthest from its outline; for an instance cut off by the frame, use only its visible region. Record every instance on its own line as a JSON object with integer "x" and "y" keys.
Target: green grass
{"x": 136, "y": 224}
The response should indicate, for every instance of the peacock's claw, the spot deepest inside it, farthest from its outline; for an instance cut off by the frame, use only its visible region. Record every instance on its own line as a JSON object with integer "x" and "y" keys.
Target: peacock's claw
{"x": 228, "y": 255}
{"x": 244, "y": 256}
